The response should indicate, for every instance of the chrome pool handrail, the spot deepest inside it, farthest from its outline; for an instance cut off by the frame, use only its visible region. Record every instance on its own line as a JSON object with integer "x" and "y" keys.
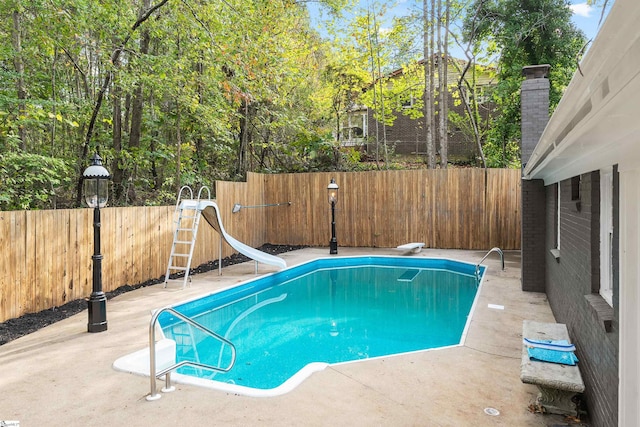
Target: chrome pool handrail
{"x": 495, "y": 249}
{"x": 153, "y": 395}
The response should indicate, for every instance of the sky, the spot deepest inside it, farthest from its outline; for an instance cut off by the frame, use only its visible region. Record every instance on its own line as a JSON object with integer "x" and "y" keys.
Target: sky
{"x": 585, "y": 17}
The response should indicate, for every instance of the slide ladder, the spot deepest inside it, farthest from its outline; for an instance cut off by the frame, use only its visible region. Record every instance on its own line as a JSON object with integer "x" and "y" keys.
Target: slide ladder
{"x": 187, "y": 220}
{"x": 188, "y": 214}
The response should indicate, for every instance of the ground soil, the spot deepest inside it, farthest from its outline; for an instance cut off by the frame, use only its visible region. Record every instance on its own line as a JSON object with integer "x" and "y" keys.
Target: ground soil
{"x": 15, "y": 328}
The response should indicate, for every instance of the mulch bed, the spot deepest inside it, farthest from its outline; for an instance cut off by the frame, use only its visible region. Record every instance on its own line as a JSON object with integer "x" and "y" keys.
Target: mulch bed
{"x": 15, "y": 328}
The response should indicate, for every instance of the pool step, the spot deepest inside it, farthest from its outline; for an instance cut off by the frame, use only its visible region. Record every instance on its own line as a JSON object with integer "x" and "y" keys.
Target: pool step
{"x": 408, "y": 275}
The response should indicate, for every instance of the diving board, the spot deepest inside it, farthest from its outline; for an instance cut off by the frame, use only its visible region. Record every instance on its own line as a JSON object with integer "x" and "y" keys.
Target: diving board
{"x": 413, "y": 247}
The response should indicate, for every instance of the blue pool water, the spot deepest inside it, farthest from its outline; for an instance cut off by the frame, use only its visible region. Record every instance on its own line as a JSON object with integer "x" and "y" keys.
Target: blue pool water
{"x": 326, "y": 311}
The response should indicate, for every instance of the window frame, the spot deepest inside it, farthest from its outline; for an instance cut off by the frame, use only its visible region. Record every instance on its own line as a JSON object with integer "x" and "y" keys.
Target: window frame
{"x": 606, "y": 234}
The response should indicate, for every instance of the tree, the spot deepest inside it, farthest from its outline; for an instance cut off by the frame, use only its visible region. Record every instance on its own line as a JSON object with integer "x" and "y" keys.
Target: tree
{"x": 428, "y": 81}
{"x": 187, "y": 92}
{"x": 171, "y": 92}
{"x": 436, "y": 29}
{"x": 345, "y": 80}
{"x": 443, "y": 71}
{"x": 523, "y": 32}
{"x": 375, "y": 53}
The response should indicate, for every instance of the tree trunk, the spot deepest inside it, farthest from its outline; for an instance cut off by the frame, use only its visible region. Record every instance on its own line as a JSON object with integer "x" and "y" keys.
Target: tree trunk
{"x": 443, "y": 56}
{"x": 178, "y": 149}
{"x": 115, "y": 60}
{"x": 199, "y": 141}
{"x": 378, "y": 66}
{"x": 376, "y": 94}
{"x": 138, "y": 95}
{"x": 241, "y": 168}
{"x": 18, "y": 64}
{"x": 157, "y": 181}
{"x": 53, "y": 98}
{"x": 428, "y": 84}
{"x": 432, "y": 89}
{"x": 465, "y": 88}
{"x": 117, "y": 142}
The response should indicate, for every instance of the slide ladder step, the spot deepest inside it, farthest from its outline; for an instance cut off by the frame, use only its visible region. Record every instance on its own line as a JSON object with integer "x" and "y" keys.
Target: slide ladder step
{"x": 185, "y": 210}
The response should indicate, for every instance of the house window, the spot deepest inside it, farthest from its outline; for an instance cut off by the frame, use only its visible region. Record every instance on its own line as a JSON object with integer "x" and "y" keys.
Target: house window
{"x": 606, "y": 234}
{"x": 575, "y": 193}
{"x": 408, "y": 103}
{"x": 557, "y": 216}
{"x": 354, "y": 129}
{"x": 556, "y": 224}
{"x": 575, "y": 188}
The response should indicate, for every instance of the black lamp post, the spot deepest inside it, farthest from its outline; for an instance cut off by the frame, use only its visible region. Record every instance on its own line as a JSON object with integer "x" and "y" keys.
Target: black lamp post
{"x": 96, "y": 193}
{"x": 332, "y": 189}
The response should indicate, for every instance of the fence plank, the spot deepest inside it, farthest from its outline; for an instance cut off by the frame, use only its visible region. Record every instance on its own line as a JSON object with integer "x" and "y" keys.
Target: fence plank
{"x": 7, "y": 294}
{"x": 46, "y": 255}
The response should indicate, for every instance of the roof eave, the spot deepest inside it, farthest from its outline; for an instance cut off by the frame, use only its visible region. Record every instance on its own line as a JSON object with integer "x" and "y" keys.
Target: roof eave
{"x": 599, "y": 111}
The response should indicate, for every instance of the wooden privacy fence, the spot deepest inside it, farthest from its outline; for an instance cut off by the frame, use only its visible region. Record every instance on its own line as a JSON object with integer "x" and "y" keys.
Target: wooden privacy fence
{"x": 447, "y": 209}
{"x": 45, "y": 256}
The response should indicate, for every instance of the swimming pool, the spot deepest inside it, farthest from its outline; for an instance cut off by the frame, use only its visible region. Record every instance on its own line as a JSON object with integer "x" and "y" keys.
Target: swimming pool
{"x": 328, "y": 311}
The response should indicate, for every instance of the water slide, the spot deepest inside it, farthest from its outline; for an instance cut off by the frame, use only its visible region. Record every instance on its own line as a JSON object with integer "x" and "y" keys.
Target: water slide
{"x": 211, "y": 214}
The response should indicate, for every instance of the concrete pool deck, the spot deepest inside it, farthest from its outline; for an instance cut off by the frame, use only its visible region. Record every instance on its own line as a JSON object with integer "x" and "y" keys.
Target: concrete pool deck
{"x": 63, "y": 376}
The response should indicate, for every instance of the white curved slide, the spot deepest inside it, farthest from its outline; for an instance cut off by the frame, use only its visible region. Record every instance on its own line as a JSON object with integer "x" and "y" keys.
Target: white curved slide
{"x": 211, "y": 214}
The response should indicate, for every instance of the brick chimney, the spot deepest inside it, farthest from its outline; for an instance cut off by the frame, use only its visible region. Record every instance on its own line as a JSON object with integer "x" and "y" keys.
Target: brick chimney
{"x": 534, "y": 104}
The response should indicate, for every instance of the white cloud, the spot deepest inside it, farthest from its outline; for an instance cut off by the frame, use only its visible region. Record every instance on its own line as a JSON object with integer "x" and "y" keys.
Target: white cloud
{"x": 581, "y": 9}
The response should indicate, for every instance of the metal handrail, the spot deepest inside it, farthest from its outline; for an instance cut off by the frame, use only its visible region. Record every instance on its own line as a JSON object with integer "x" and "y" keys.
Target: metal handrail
{"x": 499, "y": 251}
{"x": 238, "y": 206}
{"x": 153, "y": 395}
{"x": 184, "y": 187}
{"x": 204, "y": 187}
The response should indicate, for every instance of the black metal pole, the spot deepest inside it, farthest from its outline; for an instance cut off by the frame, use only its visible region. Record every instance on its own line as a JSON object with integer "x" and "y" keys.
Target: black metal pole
{"x": 333, "y": 244}
{"x": 97, "y": 300}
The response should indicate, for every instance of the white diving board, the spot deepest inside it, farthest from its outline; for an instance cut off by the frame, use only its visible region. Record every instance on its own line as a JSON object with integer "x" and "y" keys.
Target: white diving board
{"x": 413, "y": 247}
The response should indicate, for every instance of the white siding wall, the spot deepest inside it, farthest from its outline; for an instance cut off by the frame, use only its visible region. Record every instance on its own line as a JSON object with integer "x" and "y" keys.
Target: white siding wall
{"x": 629, "y": 374}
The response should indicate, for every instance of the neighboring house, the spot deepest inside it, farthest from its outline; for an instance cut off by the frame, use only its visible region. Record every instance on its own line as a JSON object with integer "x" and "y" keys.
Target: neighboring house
{"x": 407, "y": 135}
{"x": 581, "y": 213}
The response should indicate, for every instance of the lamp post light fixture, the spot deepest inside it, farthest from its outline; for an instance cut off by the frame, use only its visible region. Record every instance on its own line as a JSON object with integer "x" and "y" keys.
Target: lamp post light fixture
{"x": 96, "y": 192}
{"x": 332, "y": 189}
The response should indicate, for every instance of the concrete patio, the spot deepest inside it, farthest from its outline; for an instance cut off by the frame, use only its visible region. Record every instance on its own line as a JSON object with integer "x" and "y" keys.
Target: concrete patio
{"x": 63, "y": 376}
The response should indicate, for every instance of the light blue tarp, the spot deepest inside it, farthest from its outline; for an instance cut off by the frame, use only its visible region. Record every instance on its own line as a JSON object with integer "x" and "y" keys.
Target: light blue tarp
{"x": 558, "y": 351}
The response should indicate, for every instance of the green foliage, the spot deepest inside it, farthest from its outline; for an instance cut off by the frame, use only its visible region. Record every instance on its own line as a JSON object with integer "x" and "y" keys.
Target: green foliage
{"x": 215, "y": 89}
{"x": 31, "y": 181}
{"x": 523, "y": 33}
{"x": 210, "y": 90}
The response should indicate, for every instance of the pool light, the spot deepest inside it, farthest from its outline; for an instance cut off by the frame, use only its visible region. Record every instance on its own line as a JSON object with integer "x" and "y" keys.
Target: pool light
{"x": 96, "y": 192}
{"x": 332, "y": 189}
